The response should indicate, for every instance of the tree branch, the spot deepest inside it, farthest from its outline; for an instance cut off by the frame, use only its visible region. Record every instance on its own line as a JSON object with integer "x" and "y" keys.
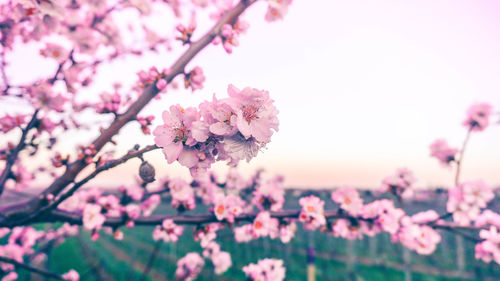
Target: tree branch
{"x": 21, "y": 210}
{"x": 12, "y": 157}
{"x": 31, "y": 268}
{"x": 108, "y": 165}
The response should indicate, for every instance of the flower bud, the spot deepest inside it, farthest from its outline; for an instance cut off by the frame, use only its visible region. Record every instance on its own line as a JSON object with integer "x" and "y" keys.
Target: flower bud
{"x": 147, "y": 172}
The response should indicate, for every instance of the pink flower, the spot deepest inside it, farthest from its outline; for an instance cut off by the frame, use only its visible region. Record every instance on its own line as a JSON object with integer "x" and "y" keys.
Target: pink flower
{"x": 346, "y": 229}
{"x": 400, "y": 183}
{"x": 312, "y": 213}
{"x": 277, "y": 9}
{"x": 478, "y": 117}
{"x": 175, "y": 135}
{"x": 243, "y": 233}
{"x": 92, "y": 217}
{"x": 487, "y": 218}
{"x": 256, "y": 114}
{"x": 269, "y": 196}
{"x": 349, "y": 200}
{"x": 489, "y": 249}
{"x": 425, "y": 217}
{"x": 385, "y": 215}
{"x": 8, "y": 122}
{"x": 150, "y": 204}
{"x": 168, "y": 231}
{"x": 10, "y": 277}
{"x": 182, "y": 195}
{"x": 221, "y": 261}
{"x": 189, "y": 267}
{"x": 194, "y": 79}
{"x": 287, "y": 231}
{"x": 445, "y": 154}
{"x": 71, "y": 275}
{"x": 108, "y": 103}
{"x": 228, "y": 207}
{"x": 264, "y": 225}
{"x": 44, "y": 97}
{"x": 466, "y": 200}
{"x": 54, "y": 51}
{"x": 421, "y": 238}
{"x": 265, "y": 270}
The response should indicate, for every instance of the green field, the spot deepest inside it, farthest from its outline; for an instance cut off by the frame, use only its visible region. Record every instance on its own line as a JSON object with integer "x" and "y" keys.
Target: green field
{"x": 336, "y": 259}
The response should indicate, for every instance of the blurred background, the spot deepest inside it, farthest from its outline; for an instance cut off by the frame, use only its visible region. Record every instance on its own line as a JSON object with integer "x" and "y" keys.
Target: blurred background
{"x": 363, "y": 88}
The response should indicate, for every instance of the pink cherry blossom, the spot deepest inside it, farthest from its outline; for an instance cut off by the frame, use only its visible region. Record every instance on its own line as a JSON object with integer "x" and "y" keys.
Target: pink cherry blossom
{"x": 194, "y": 79}
{"x": 9, "y": 122}
{"x": 277, "y": 9}
{"x": 264, "y": 225}
{"x": 466, "y": 200}
{"x": 221, "y": 261}
{"x": 228, "y": 207}
{"x": 312, "y": 213}
{"x": 349, "y": 200}
{"x": 478, "y": 117}
{"x": 399, "y": 184}
{"x": 489, "y": 249}
{"x": 92, "y": 217}
{"x": 189, "y": 267}
{"x": 443, "y": 152}
{"x": 256, "y": 114}
{"x": 269, "y": 195}
{"x": 265, "y": 270}
{"x": 71, "y": 275}
{"x": 168, "y": 231}
{"x": 182, "y": 194}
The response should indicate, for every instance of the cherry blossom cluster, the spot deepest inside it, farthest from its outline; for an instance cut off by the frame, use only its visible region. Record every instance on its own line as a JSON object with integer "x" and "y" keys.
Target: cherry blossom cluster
{"x": 168, "y": 231}
{"x": 467, "y": 199}
{"x": 189, "y": 267}
{"x": 265, "y": 270}
{"x": 443, "y": 152}
{"x": 21, "y": 243}
{"x": 312, "y": 213}
{"x": 230, "y": 129}
{"x": 399, "y": 184}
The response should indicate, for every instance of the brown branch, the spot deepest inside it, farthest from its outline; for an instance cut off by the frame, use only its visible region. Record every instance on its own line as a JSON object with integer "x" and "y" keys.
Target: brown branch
{"x": 17, "y": 211}
{"x": 108, "y": 165}
{"x": 12, "y": 157}
{"x": 31, "y": 268}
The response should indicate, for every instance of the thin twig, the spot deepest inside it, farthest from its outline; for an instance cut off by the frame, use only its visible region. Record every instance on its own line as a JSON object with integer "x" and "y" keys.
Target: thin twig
{"x": 31, "y": 268}
{"x": 460, "y": 160}
{"x": 108, "y": 165}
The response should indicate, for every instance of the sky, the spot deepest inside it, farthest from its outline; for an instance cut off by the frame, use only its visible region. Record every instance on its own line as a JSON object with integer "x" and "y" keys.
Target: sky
{"x": 363, "y": 88}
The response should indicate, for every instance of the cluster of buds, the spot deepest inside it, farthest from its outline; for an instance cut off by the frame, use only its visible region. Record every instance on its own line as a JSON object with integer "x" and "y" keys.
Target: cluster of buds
{"x": 194, "y": 79}
{"x": 87, "y": 153}
{"x": 145, "y": 122}
{"x": 58, "y": 160}
{"x": 146, "y": 78}
{"x": 229, "y": 35}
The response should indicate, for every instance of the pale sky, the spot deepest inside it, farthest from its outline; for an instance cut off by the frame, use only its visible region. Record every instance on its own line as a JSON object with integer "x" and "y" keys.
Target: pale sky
{"x": 363, "y": 88}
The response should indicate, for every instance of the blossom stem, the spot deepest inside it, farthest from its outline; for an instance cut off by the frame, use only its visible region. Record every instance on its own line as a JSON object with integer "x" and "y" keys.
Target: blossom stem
{"x": 460, "y": 160}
